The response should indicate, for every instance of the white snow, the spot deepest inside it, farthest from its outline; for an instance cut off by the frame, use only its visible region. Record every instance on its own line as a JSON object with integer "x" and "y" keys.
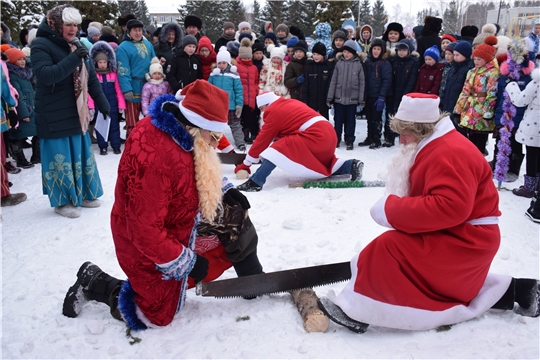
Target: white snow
{"x": 42, "y": 252}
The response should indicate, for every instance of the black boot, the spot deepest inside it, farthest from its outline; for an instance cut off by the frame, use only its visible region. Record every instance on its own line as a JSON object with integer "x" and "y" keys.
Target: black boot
{"x": 36, "y": 151}
{"x": 525, "y": 292}
{"x": 249, "y": 186}
{"x": 18, "y": 153}
{"x": 92, "y": 284}
{"x": 357, "y": 169}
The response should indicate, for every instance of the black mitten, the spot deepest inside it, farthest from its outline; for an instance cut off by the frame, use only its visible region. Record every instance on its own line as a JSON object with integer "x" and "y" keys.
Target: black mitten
{"x": 13, "y": 118}
{"x": 233, "y": 196}
{"x": 200, "y": 269}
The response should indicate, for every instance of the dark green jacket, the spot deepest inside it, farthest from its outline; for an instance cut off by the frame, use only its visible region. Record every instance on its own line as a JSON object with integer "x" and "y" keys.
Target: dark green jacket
{"x": 53, "y": 64}
{"x": 21, "y": 79}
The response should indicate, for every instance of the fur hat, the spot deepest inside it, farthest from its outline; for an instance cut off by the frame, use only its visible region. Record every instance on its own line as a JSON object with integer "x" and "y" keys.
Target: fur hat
{"x": 433, "y": 52}
{"x": 419, "y": 108}
{"x": 93, "y": 31}
{"x": 257, "y": 46}
{"x": 266, "y": 98}
{"x": 319, "y": 48}
{"x": 232, "y": 48}
{"x": 244, "y": 52}
{"x": 271, "y": 36}
{"x": 277, "y": 52}
{"x": 228, "y": 25}
{"x": 155, "y": 66}
{"x": 432, "y": 25}
{"x": 189, "y": 40}
{"x": 192, "y": 20}
{"x": 469, "y": 31}
{"x": 340, "y": 34}
{"x": 292, "y": 42}
{"x": 223, "y": 55}
{"x": 14, "y": 54}
{"x": 487, "y": 30}
{"x": 394, "y": 26}
{"x": 243, "y": 25}
{"x": 350, "y": 46}
{"x": 296, "y": 31}
{"x": 464, "y": 48}
{"x": 283, "y": 27}
{"x": 133, "y": 23}
{"x": 193, "y": 105}
{"x": 448, "y": 37}
{"x": 486, "y": 50}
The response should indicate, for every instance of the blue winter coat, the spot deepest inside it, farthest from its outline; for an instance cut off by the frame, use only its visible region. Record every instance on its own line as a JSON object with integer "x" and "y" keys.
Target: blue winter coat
{"x": 231, "y": 83}
{"x": 454, "y": 85}
{"x": 378, "y": 76}
{"x": 21, "y": 79}
{"x": 134, "y": 59}
{"x": 53, "y": 65}
{"x": 404, "y": 76}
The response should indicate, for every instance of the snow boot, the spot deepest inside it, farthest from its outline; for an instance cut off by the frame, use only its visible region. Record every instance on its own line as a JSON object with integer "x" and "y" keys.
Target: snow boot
{"x": 18, "y": 153}
{"x": 13, "y": 199}
{"x": 528, "y": 297}
{"x": 91, "y": 203}
{"x": 36, "y": 151}
{"x": 357, "y": 169}
{"x": 92, "y": 284}
{"x": 350, "y": 145}
{"x": 375, "y": 145}
{"x": 10, "y": 168}
{"x": 337, "y": 315}
{"x": 533, "y": 212}
{"x": 528, "y": 188}
{"x": 249, "y": 186}
{"x": 366, "y": 142}
{"x": 68, "y": 211}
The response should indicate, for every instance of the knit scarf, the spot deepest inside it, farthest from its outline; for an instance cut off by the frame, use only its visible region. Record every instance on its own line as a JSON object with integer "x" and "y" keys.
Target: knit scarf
{"x": 80, "y": 84}
{"x": 227, "y": 36}
{"x": 156, "y": 82}
{"x": 103, "y": 71}
{"x": 536, "y": 39}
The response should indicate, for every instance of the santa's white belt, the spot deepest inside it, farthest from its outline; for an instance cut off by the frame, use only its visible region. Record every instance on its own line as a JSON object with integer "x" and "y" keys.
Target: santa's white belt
{"x": 488, "y": 220}
{"x": 311, "y": 121}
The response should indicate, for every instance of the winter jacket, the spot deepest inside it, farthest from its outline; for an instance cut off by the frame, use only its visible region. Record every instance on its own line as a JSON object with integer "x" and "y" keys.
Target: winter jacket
{"x": 378, "y": 76}
{"x": 446, "y": 70}
{"x": 348, "y": 82}
{"x": 315, "y": 89}
{"x": 134, "y": 58}
{"x": 249, "y": 75}
{"x": 323, "y": 34}
{"x": 294, "y": 70}
{"x": 206, "y": 61}
{"x": 424, "y": 42}
{"x": 229, "y": 81}
{"x": 524, "y": 79}
{"x": 8, "y": 102}
{"x": 528, "y": 132}
{"x": 21, "y": 79}
{"x": 364, "y": 44}
{"x": 184, "y": 69}
{"x": 404, "y": 77}
{"x": 109, "y": 82}
{"x": 477, "y": 100}
{"x": 223, "y": 42}
{"x": 55, "y": 107}
{"x": 429, "y": 79}
{"x": 154, "y": 220}
{"x": 271, "y": 78}
{"x": 163, "y": 48}
{"x": 454, "y": 84}
{"x": 151, "y": 91}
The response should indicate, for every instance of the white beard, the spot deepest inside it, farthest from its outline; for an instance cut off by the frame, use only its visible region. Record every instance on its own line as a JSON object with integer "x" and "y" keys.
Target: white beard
{"x": 207, "y": 177}
{"x": 397, "y": 177}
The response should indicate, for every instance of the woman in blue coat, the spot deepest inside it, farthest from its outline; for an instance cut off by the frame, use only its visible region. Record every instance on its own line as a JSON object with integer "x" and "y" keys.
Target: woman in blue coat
{"x": 64, "y": 80}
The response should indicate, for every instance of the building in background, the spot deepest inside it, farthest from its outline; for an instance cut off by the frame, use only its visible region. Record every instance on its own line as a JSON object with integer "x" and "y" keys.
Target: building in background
{"x": 514, "y": 22}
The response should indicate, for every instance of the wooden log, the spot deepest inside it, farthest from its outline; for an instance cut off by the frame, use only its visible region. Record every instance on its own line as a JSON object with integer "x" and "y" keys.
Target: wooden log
{"x": 306, "y": 302}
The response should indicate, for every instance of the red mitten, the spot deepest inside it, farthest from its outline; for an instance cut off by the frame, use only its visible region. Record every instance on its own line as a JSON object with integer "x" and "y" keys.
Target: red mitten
{"x": 242, "y": 167}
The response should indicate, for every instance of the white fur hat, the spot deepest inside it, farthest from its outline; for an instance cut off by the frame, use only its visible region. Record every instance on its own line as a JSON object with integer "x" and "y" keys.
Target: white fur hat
{"x": 419, "y": 108}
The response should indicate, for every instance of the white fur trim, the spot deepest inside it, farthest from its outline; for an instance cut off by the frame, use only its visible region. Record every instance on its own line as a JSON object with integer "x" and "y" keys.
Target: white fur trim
{"x": 249, "y": 160}
{"x": 198, "y": 120}
{"x": 266, "y": 98}
{"x": 373, "y": 312}
{"x": 418, "y": 110}
{"x": 442, "y": 128}
{"x": 378, "y": 214}
{"x": 311, "y": 121}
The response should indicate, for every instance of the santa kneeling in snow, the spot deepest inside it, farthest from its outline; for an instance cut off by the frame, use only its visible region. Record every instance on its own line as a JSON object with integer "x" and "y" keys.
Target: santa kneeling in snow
{"x": 432, "y": 268}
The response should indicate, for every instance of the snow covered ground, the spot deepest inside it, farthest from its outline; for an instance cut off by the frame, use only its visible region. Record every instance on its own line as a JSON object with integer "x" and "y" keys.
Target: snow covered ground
{"x": 42, "y": 252}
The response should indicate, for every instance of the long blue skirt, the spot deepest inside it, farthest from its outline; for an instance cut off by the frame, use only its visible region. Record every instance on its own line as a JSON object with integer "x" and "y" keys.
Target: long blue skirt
{"x": 69, "y": 170}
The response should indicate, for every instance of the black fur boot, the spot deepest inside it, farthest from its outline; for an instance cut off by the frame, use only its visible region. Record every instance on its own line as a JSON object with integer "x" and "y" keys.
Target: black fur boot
{"x": 36, "y": 155}
{"x": 18, "y": 153}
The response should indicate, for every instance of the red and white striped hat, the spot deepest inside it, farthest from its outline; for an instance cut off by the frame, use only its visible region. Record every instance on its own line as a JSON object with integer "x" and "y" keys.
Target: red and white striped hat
{"x": 419, "y": 108}
{"x": 204, "y": 105}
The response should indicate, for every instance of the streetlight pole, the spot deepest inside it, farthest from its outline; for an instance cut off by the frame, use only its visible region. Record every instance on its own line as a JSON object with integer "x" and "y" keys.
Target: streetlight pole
{"x": 499, "y": 13}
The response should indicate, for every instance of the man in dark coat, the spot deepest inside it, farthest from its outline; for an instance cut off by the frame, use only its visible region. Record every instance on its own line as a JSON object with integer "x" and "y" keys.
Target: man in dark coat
{"x": 429, "y": 36}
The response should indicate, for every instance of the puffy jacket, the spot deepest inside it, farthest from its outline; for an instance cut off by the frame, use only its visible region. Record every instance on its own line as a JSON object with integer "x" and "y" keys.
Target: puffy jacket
{"x": 230, "y": 82}
{"x": 249, "y": 75}
{"x": 404, "y": 77}
{"x": 21, "y": 79}
{"x": 429, "y": 79}
{"x": 294, "y": 70}
{"x": 163, "y": 48}
{"x": 183, "y": 70}
{"x": 378, "y": 76}
{"x": 315, "y": 89}
{"x": 454, "y": 85}
{"x": 348, "y": 82}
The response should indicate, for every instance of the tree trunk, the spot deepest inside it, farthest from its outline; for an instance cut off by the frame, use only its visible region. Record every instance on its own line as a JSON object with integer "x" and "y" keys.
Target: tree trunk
{"x": 306, "y": 302}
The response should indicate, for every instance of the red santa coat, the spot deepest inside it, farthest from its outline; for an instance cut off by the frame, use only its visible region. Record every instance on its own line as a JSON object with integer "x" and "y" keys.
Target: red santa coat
{"x": 296, "y": 139}
{"x": 432, "y": 270}
{"x": 154, "y": 218}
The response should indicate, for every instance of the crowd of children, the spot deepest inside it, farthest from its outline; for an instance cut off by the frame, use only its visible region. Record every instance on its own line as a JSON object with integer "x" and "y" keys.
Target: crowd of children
{"x": 350, "y": 70}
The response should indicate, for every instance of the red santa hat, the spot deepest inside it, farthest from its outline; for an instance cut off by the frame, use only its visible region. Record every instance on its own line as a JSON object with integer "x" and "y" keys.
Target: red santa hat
{"x": 419, "y": 108}
{"x": 194, "y": 105}
{"x": 266, "y": 98}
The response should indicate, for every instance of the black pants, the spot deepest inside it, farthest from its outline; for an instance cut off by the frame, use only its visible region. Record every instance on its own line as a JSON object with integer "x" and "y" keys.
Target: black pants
{"x": 374, "y": 121}
{"x": 532, "y": 160}
{"x": 479, "y": 139}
